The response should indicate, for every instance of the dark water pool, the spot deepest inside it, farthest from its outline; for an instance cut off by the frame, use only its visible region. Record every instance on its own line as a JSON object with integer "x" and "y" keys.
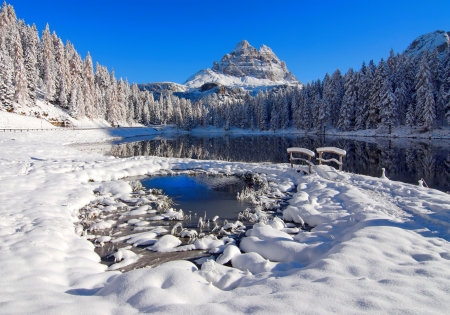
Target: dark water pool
{"x": 202, "y": 194}
{"x": 406, "y": 160}
{"x": 198, "y": 195}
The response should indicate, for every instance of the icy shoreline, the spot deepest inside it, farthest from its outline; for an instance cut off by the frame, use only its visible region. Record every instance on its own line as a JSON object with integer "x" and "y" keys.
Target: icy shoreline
{"x": 378, "y": 245}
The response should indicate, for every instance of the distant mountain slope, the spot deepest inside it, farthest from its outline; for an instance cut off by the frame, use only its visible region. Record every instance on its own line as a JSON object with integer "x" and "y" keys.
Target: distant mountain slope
{"x": 428, "y": 42}
{"x": 247, "y": 67}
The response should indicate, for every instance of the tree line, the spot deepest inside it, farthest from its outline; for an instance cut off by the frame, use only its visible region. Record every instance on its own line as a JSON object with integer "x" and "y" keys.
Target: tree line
{"x": 404, "y": 90}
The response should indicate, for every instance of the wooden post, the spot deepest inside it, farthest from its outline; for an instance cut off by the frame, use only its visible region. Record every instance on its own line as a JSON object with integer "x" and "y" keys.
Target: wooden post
{"x": 310, "y": 165}
{"x": 320, "y": 158}
{"x": 340, "y": 160}
{"x": 290, "y": 159}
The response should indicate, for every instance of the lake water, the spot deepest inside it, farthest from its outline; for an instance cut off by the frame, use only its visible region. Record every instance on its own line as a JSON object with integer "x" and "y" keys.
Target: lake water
{"x": 406, "y": 160}
{"x": 198, "y": 195}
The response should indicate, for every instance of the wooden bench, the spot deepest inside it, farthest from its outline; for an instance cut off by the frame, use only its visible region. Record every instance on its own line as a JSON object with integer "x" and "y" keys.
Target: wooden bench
{"x": 334, "y": 150}
{"x": 304, "y": 151}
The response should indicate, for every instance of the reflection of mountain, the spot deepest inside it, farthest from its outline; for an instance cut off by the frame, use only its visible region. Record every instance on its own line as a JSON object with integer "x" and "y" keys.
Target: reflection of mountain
{"x": 404, "y": 161}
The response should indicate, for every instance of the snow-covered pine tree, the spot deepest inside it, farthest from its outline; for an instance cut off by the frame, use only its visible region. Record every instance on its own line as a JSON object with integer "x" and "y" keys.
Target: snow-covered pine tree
{"x": 377, "y": 94}
{"x": 274, "y": 118}
{"x": 62, "y": 73}
{"x": 388, "y": 108}
{"x": 4, "y": 18}
{"x": 305, "y": 113}
{"x": 264, "y": 111}
{"x": 103, "y": 82}
{"x": 350, "y": 102}
{"x": 187, "y": 116}
{"x": 31, "y": 61}
{"x": 445, "y": 85}
{"x": 112, "y": 109}
{"x": 47, "y": 68}
{"x": 316, "y": 98}
{"x": 168, "y": 113}
{"x": 178, "y": 113}
{"x": 410, "y": 83}
{"x": 337, "y": 93}
{"x": 323, "y": 114}
{"x": 442, "y": 84}
{"x": 75, "y": 110}
{"x": 284, "y": 110}
{"x": 137, "y": 104}
{"x": 6, "y": 80}
{"x": 364, "y": 85}
{"x": 20, "y": 75}
{"x": 425, "y": 109}
{"x": 147, "y": 103}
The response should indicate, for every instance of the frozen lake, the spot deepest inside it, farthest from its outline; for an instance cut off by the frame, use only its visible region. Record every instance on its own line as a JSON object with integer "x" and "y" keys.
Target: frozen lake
{"x": 406, "y": 160}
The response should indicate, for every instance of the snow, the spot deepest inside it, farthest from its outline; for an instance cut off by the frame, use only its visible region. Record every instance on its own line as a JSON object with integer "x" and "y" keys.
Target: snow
{"x": 300, "y": 150}
{"x": 377, "y": 246}
{"x": 331, "y": 149}
{"x": 428, "y": 42}
{"x": 246, "y": 82}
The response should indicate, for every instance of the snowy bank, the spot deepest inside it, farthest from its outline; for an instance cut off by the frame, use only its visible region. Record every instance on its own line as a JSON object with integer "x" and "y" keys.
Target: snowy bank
{"x": 377, "y": 246}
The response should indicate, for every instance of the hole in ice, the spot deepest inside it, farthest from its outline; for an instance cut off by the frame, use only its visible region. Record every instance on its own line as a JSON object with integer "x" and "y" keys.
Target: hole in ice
{"x": 211, "y": 214}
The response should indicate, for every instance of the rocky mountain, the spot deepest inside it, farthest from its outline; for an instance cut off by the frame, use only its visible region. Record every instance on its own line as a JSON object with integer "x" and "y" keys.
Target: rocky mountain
{"x": 246, "y": 67}
{"x": 428, "y": 42}
{"x": 161, "y": 87}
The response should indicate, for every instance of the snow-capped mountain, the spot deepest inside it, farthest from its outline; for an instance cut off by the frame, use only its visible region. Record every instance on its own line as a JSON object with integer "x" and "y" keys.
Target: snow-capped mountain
{"x": 245, "y": 67}
{"x": 428, "y": 42}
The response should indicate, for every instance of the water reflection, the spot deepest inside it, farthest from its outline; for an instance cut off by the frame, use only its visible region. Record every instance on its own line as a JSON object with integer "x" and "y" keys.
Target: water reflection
{"x": 405, "y": 160}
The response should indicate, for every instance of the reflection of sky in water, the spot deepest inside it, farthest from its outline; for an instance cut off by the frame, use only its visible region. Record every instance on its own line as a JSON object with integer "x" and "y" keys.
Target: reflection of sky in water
{"x": 214, "y": 194}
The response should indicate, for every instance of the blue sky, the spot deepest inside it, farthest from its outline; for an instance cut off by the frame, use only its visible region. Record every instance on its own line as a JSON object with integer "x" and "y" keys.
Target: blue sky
{"x": 153, "y": 41}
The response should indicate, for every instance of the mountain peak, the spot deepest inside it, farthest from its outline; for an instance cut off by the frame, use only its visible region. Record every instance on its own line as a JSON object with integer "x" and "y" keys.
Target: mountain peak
{"x": 246, "y": 66}
{"x": 428, "y": 42}
{"x": 265, "y": 50}
{"x": 242, "y": 45}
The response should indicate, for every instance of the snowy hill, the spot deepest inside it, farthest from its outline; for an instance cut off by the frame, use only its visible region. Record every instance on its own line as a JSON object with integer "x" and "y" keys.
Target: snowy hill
{"x": 428, "y": 42}
{"x": 246, "y": 67}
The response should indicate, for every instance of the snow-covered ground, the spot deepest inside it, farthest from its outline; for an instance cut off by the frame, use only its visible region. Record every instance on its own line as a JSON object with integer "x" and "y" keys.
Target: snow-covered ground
{"x": 378, "y": 246}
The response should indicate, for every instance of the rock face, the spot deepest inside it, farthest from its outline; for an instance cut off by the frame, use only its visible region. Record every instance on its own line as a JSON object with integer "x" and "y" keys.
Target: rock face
{"x": 162, "y": 86}
{"x": 245, "y": 66}
{"x": 245, "y": 60}
{"x": 428, "y": 42}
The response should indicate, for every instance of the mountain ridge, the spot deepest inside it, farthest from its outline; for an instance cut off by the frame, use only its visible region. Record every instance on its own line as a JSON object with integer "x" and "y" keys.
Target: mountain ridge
{"x": 245, "y": 66}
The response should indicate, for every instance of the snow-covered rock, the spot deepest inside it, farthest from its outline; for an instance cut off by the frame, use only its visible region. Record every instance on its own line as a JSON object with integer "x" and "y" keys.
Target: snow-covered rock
{"x": 428, "y": 42}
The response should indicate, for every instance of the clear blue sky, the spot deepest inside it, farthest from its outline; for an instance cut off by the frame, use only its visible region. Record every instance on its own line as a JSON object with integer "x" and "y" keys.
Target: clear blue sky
{"x": 153, "y": 41}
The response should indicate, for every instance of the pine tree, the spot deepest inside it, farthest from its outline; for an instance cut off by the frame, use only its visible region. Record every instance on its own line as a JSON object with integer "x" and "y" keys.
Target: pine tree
{"x": 445, "y": 85}
{"x": 31, "y": 62}
{"x": 349, "y": 102}
{"x": 336, "y": 95}
{"x": 274, "y": 119}
{"x": 48, "y": 66}
{"x": 89, "y": 85}
{"x": 364, "y": 86}
{"x": 376, "y": 94}
{"x": 6, "y": 80}
{"x": 388, "y": 110}
{"x": 20, "y": 76}
{"x": 323, "y": 114}
{"x": 425, "y": 109}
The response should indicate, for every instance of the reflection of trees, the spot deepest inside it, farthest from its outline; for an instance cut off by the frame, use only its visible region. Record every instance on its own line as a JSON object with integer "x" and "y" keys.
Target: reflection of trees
{"x": 408, "y": 161}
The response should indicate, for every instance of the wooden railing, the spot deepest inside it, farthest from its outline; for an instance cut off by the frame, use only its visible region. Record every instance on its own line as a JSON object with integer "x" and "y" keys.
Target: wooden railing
{"x": 69, "y": 128}
{"x": 341, "y": 153}
{"x": 304, "y": 151}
